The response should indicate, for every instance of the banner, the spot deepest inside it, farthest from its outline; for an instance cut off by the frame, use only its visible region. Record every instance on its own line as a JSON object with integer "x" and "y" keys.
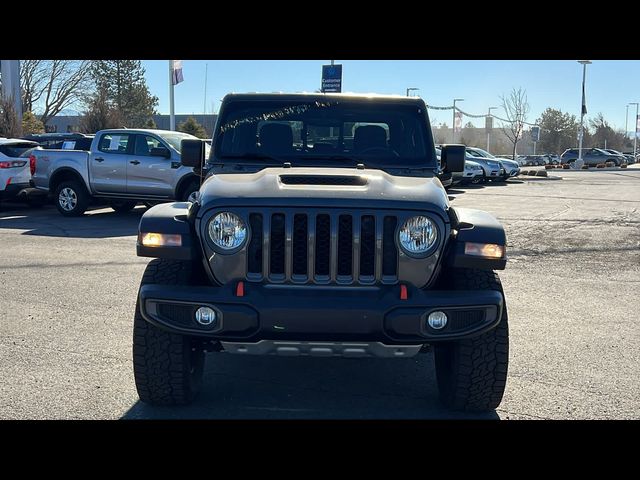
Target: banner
{"x": 458, "y": 123}
{"x": 177, "y": 72}
{"x": 638, "y": 124}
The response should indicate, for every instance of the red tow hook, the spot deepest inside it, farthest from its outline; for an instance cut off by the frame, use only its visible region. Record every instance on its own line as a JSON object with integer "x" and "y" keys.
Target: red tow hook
{"x": 240, "y": 289}
{"x": 403, "y": 292}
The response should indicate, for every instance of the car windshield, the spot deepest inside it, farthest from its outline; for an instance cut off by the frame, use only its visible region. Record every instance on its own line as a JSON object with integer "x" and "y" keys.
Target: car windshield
{"x": 174, "y": 139}
{"x": 335, "y": 131}
{"x": 478, "y": 152}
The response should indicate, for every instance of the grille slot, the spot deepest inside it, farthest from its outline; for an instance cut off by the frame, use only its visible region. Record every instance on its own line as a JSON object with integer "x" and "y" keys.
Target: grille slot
{"x": 300, "y": 234}
{"x": 182, "y": 314}
{"x": 254, "y": 259}
{"x": 277, "y": 252}
{"x": 464, "y": 319}
{"x": 367, "y": 246}
{"x": 345, "y": 245}
{"x": 323, "y": 245}
{"x": 389, "y": 249}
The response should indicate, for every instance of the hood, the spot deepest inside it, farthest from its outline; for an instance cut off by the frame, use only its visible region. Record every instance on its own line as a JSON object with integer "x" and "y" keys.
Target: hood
{"x": 324, "y": 187}
{"x": 509, "y": 162}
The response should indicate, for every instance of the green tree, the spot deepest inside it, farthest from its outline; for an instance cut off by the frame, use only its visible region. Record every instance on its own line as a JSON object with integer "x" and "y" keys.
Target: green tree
{"x": 31, "y": 124}
{"x": 604, "y": 136}
{"x": 558, "y": 131}
{"x": 100, "y": 113}
{"x": 126, "y": 89}
{"x": 190, "y": 125}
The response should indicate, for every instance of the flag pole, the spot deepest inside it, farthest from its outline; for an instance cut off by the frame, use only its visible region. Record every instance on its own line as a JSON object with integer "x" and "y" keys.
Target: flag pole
{"x": 172, "y": 114}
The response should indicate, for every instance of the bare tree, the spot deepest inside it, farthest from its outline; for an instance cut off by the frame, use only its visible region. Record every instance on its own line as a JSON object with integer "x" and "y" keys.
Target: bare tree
{"x": 9, "y": 125}
{"x": 53, "y": 85}
{"x": 516, "y": 109}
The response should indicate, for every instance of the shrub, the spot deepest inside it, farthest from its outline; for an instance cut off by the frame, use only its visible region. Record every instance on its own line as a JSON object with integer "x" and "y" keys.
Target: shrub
{"x": 542, "y": 173}
{"x": 601, "y": 165}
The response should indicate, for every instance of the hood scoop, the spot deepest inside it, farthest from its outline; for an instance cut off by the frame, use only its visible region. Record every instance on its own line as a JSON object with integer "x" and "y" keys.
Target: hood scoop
{"x": 340, "y": 180}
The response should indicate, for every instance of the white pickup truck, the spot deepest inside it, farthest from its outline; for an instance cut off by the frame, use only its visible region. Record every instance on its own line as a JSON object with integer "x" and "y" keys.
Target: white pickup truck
{"x": 123, "y": 166}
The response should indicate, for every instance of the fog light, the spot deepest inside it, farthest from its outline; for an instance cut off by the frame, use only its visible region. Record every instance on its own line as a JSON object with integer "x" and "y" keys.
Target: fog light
{"x": 437, "y": 320}
{"x": 205, "y": 316}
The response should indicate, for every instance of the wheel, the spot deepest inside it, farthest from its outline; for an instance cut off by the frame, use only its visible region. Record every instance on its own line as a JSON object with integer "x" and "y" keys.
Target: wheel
{"x": 167, "y": 367}
{"x": 190, "y": 193}
{"x": 71, "y": 198}
{"x": 123, "y": 206}
{"x": 472, "y": 373}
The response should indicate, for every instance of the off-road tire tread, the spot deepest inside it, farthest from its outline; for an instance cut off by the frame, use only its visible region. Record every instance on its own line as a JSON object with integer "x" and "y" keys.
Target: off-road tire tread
{"x": 476, "y": 382}
{"x": 160, "y": 359}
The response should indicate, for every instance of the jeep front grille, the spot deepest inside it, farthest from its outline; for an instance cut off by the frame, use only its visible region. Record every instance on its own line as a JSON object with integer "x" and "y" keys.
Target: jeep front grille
{"x": 323, "y": 247}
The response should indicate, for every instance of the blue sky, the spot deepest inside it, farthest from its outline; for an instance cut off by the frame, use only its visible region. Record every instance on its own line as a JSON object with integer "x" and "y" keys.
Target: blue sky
{"x": 611, "y": 84}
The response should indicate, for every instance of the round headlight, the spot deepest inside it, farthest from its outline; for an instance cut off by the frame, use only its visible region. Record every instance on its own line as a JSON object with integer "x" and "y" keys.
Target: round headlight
{"x": 227, "y": 231}
{"x": 417, "y": 235}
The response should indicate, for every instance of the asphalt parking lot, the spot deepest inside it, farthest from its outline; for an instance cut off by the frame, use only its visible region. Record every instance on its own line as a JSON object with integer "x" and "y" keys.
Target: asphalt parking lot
{"x": 69, "y": 288}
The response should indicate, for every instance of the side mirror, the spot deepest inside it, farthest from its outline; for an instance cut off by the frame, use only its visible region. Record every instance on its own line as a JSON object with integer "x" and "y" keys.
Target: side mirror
{"x": 192, "y": 153}
{"x": 160, "y": 152}
{"x": 453, "y": 158}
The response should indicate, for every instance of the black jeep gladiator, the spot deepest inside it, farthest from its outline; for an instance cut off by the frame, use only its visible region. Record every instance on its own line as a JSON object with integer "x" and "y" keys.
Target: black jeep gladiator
{"x": 321, "y": 228}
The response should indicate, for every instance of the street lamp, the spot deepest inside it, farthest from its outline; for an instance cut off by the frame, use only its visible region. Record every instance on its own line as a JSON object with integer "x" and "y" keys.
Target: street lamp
{"x": 488, "y": 129}
{"x": 626, "y": 125}
{"x": 453, "y": 129}
{"x": 635, "y": 130}
{"x": 411, "y": 89}
{"x": 578, "y": 163}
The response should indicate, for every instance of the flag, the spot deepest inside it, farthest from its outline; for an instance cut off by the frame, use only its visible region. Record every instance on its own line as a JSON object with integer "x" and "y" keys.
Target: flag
{"x": 458, "y": 122}
{"x": 584, "y": 101}
{"x": 637, "y": 124}
{"x": 177, "y": 77}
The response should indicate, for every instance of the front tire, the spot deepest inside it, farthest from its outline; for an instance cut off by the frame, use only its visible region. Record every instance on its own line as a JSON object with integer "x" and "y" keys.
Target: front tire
{"x": 472, "y": 373}
{"x": 190, "y": 192}
{"x": 71, "y": 198}
{"x": 167, "y": 367}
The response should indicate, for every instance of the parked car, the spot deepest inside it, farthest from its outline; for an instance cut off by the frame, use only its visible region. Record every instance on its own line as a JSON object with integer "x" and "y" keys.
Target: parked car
{"x": 14, "y": 168}
{"x": 492, "y": 169}
{"x": 634, "y": 158}
{"x": 291, "y": 251}
{"x": 511, "y": 167}
{"x": 62, "y": 141}
{"x": 627, "y": 158}
{"x": 472, "y": 173}
{"x": 591, "y": 156}
{"x": 552, "y": 158}
{"x": 122, "y": 166}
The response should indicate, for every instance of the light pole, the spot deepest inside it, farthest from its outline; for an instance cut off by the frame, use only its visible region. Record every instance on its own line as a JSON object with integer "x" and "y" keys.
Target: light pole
{"x": 411, "y": 89}
{"x": 453, "y": 126}
{"x": 635, "y": 130}
{"x": 626, "y": 125}
{"x": 578, "y": 163}
{"x": 489, "y": 129}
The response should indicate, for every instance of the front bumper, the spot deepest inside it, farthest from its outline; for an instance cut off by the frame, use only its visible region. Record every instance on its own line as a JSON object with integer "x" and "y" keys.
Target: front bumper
{"x": 321, "y": 313}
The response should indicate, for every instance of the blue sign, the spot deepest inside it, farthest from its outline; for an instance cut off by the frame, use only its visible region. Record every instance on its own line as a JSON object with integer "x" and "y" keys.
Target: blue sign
{"x": 331, "y": 78}
{"x": 535, "y": 134}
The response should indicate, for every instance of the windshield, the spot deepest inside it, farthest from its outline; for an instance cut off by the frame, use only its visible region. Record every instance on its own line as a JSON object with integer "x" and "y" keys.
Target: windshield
{"x": 478, "y": 152}
{"x": 341, "y": 132}
{"x": 174, "y": 139}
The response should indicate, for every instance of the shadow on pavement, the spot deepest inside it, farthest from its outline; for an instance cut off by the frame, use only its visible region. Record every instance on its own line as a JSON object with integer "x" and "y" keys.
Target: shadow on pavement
{"x": 46, "y": 221}
{"x": 256, "y": 387}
